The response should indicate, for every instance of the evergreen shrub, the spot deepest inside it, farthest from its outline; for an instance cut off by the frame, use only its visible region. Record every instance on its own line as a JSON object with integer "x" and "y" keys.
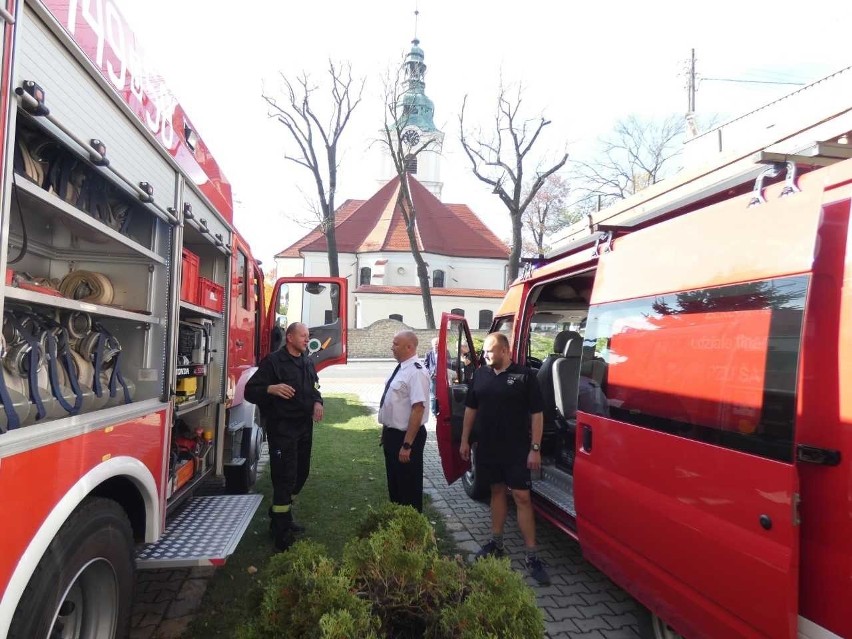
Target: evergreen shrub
{"x": 392, "y": 582}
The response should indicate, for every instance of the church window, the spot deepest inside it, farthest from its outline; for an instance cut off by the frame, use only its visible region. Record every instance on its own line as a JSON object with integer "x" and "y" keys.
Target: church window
{"x": 365, "y": 277}
{"x": 395, "y": 316}
{"x": 485, "y": 319}
{"x": 438, "y": 279}
{"x": 457, "y": 311}
{"x": 411, "y": 164}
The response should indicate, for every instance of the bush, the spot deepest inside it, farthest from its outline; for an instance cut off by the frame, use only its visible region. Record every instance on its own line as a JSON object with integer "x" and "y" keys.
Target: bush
{"x": 498, "y": 604}
{"x": 392, "y": 582}
{"x": 306, "y": 596}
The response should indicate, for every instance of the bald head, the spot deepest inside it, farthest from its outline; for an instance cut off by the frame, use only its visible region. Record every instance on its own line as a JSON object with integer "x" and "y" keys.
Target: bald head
{"x": 296, "y": 338}
{"x": 404, "y": 345}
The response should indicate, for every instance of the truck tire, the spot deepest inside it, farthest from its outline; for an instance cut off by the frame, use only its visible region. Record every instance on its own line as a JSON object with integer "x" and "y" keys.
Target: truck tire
{"x": 83, "y": 586}
{"x": 653, "y": 627}
{"x": 472, "y": 482}
{"x": 255, "y": 448}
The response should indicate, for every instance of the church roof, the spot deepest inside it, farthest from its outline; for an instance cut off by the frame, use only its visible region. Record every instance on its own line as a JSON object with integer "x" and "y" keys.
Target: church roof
{"x": 376, "y": 225}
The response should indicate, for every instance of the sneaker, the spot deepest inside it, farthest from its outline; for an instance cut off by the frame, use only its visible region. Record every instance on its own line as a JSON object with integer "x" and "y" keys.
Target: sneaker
{"x": 537, "y": 570}
{"x": 491, "y": 549}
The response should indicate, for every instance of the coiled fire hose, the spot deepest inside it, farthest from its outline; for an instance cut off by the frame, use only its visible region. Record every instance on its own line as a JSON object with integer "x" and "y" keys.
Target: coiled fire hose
{"x": 87, "y": 286}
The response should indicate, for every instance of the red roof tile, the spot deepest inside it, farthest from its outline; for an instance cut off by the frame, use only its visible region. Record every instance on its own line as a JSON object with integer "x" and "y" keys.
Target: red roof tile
{"x": 377, "y": 225}
{"x": 436, "y": 292}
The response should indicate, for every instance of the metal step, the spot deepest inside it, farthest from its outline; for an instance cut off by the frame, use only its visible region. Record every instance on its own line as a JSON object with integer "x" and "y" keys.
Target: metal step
{"x": 204, "y": 533}
{"x": 557, "y": 487}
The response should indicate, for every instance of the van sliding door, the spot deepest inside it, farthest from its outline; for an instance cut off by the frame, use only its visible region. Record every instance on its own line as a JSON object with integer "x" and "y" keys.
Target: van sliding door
{"x": 687, "y": 493}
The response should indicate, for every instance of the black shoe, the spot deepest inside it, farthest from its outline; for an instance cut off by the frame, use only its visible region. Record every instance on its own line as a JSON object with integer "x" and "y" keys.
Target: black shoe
{"x": 284, "y": 540}
{"x": 491, "y": 549}
{"x": 537, "y": 570}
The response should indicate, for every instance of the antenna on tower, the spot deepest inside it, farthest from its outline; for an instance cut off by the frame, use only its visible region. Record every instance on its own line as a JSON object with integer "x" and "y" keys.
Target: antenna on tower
{"x": 416, "y": 15}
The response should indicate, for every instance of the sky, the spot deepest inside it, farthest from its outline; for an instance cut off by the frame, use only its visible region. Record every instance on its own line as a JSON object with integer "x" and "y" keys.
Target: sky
{"x": 583, "y": 66}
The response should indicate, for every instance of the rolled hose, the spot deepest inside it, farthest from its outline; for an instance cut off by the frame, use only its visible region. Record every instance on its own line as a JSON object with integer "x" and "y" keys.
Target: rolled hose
{"x": 87, "y": 286}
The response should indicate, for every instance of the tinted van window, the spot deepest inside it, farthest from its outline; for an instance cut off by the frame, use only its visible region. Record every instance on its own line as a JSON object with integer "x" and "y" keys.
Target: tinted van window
{"x": 717, "y": 365}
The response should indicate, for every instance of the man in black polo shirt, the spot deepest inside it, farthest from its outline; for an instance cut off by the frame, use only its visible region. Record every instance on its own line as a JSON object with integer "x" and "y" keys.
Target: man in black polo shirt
{"x": 504, "y": 401}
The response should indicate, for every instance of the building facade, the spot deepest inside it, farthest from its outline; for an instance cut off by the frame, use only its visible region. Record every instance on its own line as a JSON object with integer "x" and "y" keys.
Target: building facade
{"x": 467, "y": 263}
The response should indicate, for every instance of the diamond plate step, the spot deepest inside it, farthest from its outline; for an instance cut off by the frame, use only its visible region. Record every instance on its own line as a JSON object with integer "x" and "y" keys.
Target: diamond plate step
{"x": 557, "y": 487}
{"x": 205, "y": 533}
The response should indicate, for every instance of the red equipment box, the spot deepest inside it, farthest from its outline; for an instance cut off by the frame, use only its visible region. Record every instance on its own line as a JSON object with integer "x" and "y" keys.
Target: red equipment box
{"x": 211, "y": 295}
{"x": 189, "y": 277}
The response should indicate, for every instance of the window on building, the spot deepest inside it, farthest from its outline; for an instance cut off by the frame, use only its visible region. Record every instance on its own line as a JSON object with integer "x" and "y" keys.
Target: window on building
{"x": 411, "y": 164}
{"x": 457, "y": 311}
{"x": 365, "y": 276}
{"x": 438, "y": 279}
{"x": 485, "y": 318}
{"x": 395, "y": 316}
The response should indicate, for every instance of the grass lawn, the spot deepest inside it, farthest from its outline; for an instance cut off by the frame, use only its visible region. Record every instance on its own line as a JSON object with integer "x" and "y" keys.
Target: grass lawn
{"x": 347, "y": 478}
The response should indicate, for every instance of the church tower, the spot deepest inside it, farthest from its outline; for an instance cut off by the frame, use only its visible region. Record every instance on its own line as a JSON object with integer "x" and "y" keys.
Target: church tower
{"x": 419, "y": 135}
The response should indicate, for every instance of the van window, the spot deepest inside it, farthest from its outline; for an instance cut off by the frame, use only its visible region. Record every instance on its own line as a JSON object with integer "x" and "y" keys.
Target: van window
{"x": 717, "y": 365}
{"x": 504, "y": 325}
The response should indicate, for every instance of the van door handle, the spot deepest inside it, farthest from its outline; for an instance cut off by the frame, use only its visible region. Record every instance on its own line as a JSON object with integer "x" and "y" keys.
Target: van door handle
{"x": 239, "y": 343}
{"x": 587, "y": 438}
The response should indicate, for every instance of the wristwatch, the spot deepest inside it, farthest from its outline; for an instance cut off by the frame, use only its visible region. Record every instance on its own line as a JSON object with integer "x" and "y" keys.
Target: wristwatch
{"x": 406, "y": 446}
{"x": 535, "y": 447}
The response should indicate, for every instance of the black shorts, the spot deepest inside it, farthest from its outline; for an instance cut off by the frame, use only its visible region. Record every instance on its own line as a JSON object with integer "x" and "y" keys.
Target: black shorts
{"x": 514, "y": 474}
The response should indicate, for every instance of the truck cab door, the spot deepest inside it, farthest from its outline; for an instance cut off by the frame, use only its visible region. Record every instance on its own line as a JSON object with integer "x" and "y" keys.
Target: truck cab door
{"x": 319, "y": 302}
{"x": 456, "y": 363}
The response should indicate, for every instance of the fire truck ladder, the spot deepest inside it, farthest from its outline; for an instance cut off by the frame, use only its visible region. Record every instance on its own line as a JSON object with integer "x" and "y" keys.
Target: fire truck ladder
{"x": 205, "y": 533}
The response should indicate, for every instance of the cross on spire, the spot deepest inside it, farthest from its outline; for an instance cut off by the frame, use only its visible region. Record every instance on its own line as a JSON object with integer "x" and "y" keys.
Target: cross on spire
{"x": 416, "y": 15}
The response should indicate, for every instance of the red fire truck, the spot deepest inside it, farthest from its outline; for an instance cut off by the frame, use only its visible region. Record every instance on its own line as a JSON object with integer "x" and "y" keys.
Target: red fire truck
{"x": 133, "y": 315}
{"x": 694, "y": 349}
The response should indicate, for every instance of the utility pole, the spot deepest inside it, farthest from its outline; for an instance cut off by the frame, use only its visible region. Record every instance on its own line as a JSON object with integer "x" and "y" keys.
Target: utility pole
{"x": 692, "y": 130}
{"x": 691, "y": 83}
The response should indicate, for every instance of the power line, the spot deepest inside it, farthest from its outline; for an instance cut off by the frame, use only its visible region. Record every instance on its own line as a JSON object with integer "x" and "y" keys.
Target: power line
{"x": 750, "y": 81}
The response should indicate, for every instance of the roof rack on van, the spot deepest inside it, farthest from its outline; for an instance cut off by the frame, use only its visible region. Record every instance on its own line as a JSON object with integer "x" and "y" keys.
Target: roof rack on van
{"x": 812, "y": 145}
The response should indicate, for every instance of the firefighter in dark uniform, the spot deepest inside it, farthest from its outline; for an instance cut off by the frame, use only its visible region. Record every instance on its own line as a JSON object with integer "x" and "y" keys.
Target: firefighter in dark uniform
{"x": 402, "y": 413}
{"x": 504, "y": 402}
{"x": 286, "y": 389}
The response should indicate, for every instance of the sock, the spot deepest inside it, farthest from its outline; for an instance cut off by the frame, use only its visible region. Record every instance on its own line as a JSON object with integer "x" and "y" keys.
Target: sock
{"x": 498, "y": 540}
{"x": 532, "y": 552}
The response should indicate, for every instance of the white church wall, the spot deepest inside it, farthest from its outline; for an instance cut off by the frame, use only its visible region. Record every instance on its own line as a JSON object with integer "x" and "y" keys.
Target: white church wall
{"x": 375, "y": 306}
{"x": 459, "y": 272}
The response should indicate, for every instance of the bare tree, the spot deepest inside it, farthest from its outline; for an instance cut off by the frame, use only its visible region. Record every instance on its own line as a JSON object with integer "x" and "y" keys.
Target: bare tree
{"x": 317, "y": 135}
{"x": 548, "y": 212}
{"x": 498, "y": 159}
{"x": 404, "y": 147}
{"x": 637, "y": 154}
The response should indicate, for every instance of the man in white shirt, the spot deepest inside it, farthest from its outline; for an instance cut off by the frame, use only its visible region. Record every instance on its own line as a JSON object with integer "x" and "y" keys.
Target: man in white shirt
{"x": 402, "y": 414}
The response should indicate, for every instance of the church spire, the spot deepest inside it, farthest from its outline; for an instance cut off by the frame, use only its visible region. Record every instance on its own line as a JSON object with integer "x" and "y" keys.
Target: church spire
{"x": 417, "y": 109}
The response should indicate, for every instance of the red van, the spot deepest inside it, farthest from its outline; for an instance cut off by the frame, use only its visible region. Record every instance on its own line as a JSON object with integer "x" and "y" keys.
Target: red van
{"x": 711, "y": 480}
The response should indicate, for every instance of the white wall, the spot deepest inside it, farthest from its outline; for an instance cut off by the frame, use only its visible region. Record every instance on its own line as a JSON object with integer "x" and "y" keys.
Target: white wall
{"x": 429, "y": 162}
{"x": 372, "y": 307}
{"x": 364, "y": 309}
{"x": 459, "y": 272}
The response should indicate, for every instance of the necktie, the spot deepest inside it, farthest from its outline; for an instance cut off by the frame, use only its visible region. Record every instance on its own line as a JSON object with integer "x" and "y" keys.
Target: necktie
{"x": 387, "y": 385}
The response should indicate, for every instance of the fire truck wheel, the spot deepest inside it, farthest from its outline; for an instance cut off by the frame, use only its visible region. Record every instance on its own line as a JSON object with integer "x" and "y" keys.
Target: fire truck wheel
{"x": 473, "y": 485}
{"x": 652, "y": 627}
{"x": 83, "y": 586}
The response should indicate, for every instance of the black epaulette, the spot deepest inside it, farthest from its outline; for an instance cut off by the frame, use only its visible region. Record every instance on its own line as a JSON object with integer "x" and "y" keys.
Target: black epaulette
{"x": 418, "y": 365}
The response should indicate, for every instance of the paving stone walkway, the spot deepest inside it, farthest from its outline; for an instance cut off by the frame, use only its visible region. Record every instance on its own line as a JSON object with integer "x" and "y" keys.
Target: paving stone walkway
{"x": 580, "y": 603}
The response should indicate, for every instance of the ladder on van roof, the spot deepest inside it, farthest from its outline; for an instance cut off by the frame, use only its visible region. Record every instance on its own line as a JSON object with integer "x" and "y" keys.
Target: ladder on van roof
{"x": 733, "y": 175}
